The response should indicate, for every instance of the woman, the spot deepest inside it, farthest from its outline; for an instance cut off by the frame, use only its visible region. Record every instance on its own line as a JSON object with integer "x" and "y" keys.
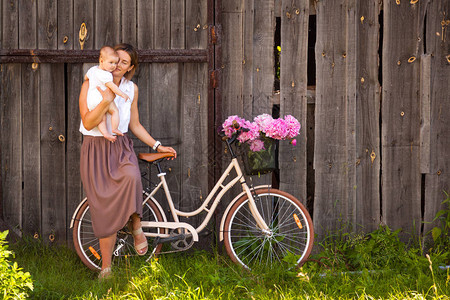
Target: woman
{"x": 109, "y": 170}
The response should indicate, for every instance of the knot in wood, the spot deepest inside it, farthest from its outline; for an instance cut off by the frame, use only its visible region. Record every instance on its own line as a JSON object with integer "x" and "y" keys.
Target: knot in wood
{"x": 399, "y": 63}
{"x": 414, "y": 1}
{"x": 439, "y": 172}
{"x": 65, "y": 39}
{"x": 34, "y": 66}
{"x": 51, "y": 237}
{"x": 362, "y": 79}
{"x": 411, "y": 59}
{"x": 397, "y": 1}
{"x": 362, "y": 19}
{"x": 288, "y": 15}
{"x": 402, "y": 113}
{"x": 448, "y": 58}
{"x": 297, "y": 11}
{"x": 36, "y": 235}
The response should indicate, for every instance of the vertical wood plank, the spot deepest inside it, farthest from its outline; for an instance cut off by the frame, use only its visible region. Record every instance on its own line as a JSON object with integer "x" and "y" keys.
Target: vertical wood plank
{"x": 162, "y": 24}
{"x": 177, "y": 24}
{"x": 83, "y": 12}
{"x": 425, "y": 113}
{"x": 232, "y": 57}
{"x": 194, "y": 119}
{"x": 27, "y": 25}
{"x": 73, "y": 141}
{"x": 367, "y": 108}
{"x": 31, "y": 151}
{"x": 293, "y": 100}
{"x": 263, "y": 57}
{"x": 260, "y": 73}
{"x": 166, "y": 97}
{"x": 145, "y": 28}
{"x": 401, "y": 179}
{"x": 196, "y": 24}
{"x": 438, "y": 179}
{"x": 10, "y": 24}
{"x": 53, "y": 167}
{"x": 11, "y": 146}
{"x": 107, "y": 26}
{"x": 129, "y": 19}
{"x": 330, "y": 151}
{"x": 65, "y": 38}
{"x": 247, "y": 61}
{"x": 47, "y": 24}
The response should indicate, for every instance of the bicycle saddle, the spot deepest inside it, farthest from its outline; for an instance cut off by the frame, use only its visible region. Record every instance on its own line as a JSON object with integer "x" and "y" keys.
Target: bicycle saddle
{"x": 151, "y": 157}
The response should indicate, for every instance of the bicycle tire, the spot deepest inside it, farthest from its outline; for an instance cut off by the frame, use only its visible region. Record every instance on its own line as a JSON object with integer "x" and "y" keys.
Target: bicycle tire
{"x": 290, "y": 241}
{"x": 87, "y": 245}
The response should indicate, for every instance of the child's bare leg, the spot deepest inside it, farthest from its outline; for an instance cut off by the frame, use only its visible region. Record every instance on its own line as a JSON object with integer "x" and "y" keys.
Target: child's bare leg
{"x": 115, "y": 119}
{"x": 104, "y": 130}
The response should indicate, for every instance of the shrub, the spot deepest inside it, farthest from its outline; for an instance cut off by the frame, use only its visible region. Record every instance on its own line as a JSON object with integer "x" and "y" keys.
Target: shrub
{"x": 14, "y": 283}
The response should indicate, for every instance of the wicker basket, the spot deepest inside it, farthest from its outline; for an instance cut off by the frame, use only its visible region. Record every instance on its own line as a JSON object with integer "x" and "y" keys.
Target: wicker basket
{"x": 260, "y": 162}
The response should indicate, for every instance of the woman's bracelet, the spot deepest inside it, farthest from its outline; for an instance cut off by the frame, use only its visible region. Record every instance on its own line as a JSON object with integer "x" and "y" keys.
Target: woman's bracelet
{"x": 156, "y": 145}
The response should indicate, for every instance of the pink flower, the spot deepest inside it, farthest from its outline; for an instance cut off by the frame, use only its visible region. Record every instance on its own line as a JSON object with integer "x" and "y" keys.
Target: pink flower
{"x": 228, "y": 125}
{"x": 263, "y": 121}
{"x": 277, "y": 129}
{"x": 293, "y": 126}
{"x": 294, "y": 142}
{"x": 256, "y": 145}
{"x": 250, "y": 135}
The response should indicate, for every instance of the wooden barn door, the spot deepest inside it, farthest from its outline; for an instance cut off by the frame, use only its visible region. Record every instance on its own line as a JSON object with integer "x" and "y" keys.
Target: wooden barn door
{"x": 45, "y": 51}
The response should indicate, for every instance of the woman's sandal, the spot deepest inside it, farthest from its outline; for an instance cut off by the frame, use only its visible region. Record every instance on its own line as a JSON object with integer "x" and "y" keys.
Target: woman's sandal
{"x": 106, "y": 273}
{"x": 141, "y": 245}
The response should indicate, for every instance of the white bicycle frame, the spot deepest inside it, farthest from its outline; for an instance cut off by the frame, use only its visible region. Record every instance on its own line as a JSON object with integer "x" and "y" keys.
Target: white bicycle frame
{"x": 176, "y": 224}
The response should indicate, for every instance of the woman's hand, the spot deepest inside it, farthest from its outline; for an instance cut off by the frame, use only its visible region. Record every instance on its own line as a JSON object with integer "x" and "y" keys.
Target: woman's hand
{"x": 107, "y": 94}
{"x": 167, "y": 149}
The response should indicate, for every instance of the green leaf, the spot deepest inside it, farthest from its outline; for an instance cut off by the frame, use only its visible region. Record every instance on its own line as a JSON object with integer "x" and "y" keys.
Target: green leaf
{"x": 435, "y": 233}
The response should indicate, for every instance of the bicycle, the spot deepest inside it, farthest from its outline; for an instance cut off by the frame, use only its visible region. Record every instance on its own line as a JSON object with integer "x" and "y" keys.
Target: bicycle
{"x": 260, "y": 226}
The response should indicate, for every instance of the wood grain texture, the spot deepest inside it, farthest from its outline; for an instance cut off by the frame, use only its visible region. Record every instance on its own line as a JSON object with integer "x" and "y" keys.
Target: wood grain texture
{"x": 145, "y": 27}
{"x": 74, "y": 190}
{"x": 438, "y": 179}
{"x": 27, "y": 25}
{"x": 47, "y": 24}
{"x": 53, "y": 158}
{"x": 83, "y": 12}
{"x": 107, "y": 23}
{"x": 31, "y": 208}
{"x": 330, "y": 151}
{"x": 367, "y": 158}
{"x": 65, "y": 37}
{"x": 293, "y": 100}
{"x": 129, "y": 19}
{"x": 401, "y": 179}
{"x": 11, "y": 146}
{"x": 177, "y": 24}
{"x": 10, "y": 24}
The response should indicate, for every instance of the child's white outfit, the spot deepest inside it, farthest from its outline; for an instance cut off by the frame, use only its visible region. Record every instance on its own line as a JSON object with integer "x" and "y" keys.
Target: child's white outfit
{"x": 98, "y": 77}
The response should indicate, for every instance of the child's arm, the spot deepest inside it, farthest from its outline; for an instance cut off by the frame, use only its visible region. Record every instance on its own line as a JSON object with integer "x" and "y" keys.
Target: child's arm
{"x": 116, "y": 90}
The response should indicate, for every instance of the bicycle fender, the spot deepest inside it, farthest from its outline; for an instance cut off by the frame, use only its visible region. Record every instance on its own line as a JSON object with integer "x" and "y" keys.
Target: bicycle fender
{"x": 76, "y": 211}
{"x": 225, "y": 214}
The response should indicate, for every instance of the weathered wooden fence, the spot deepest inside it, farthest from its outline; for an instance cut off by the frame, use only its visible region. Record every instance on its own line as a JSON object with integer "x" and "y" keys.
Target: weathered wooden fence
{"x": 376, "y": 117}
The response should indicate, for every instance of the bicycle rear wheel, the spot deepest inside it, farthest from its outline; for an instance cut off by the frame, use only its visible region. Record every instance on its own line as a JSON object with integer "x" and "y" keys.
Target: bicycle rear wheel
{"x": 291, "y": 235}
{"x": 87, "y": 245}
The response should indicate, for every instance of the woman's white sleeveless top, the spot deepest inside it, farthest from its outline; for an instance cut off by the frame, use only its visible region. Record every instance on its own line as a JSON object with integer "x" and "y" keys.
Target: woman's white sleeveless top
{"x": 124, "y": 107}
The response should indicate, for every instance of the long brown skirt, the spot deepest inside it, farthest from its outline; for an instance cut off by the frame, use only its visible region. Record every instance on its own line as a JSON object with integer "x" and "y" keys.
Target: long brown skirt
{"x": 112, "y": 182}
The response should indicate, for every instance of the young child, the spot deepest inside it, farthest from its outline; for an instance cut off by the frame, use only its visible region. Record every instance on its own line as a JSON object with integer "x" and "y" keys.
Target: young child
{"x": 101, "y": 76}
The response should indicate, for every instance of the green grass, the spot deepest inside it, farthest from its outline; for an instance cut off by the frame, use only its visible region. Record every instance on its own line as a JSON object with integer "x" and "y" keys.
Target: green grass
{"x": 374, "y": 266}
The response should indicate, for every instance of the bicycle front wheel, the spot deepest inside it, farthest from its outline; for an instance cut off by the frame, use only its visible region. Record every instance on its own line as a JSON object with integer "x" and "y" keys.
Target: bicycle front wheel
{"x": 87, "y": 245}
{"x": 289, "y": 240}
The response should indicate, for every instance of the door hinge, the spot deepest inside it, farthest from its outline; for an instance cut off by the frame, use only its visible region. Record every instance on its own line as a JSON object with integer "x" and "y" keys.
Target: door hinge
{"x": 214, "y": 78}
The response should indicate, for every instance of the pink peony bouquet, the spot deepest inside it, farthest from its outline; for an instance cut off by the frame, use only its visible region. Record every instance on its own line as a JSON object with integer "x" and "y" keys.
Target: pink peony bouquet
{"x": 263, "y": 126}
